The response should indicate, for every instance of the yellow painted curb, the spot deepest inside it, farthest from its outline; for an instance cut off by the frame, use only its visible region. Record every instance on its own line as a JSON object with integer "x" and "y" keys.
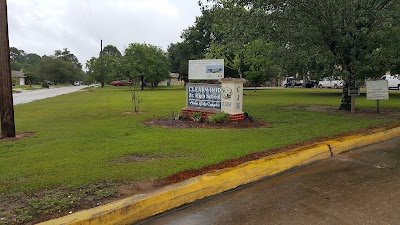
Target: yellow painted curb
{"x": 356, "y": 141}
{"x": 139, "y": 207}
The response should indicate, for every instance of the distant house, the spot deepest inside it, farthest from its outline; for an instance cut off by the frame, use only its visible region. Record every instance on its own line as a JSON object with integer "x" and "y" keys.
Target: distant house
{"x": 173, "y": 81}
{"x": 18, "y": 77}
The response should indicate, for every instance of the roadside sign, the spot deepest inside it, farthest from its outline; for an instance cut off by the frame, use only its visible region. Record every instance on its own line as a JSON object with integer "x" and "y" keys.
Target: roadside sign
{"x": 354, "y": 91}
{"x": 208, "y": 69}
{"x": 377, "y": 90}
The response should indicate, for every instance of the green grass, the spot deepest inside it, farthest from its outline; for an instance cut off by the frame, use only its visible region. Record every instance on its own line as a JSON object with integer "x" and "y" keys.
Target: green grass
{"x": 80, "y": 137}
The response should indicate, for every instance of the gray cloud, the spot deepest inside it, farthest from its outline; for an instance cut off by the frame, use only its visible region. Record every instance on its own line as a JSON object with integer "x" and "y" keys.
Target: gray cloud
{"x": 42, "y": 26}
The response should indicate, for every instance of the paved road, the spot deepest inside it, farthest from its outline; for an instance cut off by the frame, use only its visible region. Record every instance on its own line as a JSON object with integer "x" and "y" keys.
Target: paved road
{"x": 30, "y": 96}
{"x": 358, "y": 187}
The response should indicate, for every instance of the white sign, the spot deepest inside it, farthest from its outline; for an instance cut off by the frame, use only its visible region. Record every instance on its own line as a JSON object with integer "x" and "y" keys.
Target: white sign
{"x": 211, "y": 69}
{"x": 377, "y": 90}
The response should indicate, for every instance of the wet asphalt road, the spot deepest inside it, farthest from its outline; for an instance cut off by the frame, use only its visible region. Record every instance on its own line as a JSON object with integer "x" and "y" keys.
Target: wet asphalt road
{"x": 30, "y": 96}
{"x": 358, "y": 187}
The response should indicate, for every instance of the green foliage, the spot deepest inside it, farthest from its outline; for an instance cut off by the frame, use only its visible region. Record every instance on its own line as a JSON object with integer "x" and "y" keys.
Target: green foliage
{"x": 113, "y": 51}
{"x": 23, "y": 214}
{"x": 196, "y": 42}
{"x": 45, "y": 85}
{"x": 218, "y": 118}
{"x": 49, "y": 204}
{"x": 147, "y": 62}
{"x": 58, "y": 70}
{"x": 62, "y": 67}
{"x": 196, "y": 116}
{"x": 174, "y": 115}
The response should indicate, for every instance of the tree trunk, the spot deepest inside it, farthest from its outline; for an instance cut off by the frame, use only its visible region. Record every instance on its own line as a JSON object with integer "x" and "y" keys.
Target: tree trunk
{"x": 346, "y": 99}
{"x": 6, "y": 99}
{"x": 142, "y": 82}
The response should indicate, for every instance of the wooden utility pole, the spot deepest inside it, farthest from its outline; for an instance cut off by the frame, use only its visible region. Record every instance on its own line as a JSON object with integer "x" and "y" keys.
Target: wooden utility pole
{"x": 101, "y": 65}
{"x": 6, "y": 98}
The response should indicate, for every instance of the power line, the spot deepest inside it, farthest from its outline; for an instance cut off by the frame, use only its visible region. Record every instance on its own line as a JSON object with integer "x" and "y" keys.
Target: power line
{"x": 86, "y": 20}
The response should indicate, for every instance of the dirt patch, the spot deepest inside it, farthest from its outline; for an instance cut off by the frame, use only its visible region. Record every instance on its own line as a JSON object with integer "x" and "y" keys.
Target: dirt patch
{"x": 143, "y": 158}
{"x": 360, "y": 112}
{"x": 17, "y": 137}
{"x": 187, "y": 123}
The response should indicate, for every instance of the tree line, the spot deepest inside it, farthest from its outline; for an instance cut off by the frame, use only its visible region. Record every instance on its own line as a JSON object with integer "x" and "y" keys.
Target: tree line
{"x": 262, "y": 40}
{"x": 61, "y": 67}
{"x": 140, "y": 62}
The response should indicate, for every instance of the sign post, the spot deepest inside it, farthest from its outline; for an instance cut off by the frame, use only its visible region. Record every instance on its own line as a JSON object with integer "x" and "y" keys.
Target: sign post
{"x": 353, "y": 92}
{"x": 378, "y": 90}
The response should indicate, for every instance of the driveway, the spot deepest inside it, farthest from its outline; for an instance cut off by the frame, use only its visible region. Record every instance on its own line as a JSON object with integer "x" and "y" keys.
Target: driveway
{"x": 30, "y": 96}
{"x": 361, "y": 186}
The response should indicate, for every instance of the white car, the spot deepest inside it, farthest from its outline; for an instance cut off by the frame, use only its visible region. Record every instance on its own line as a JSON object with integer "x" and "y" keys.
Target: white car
{"x": 329, "y": 82}
{"x": 393, "y": 80}
{"x": 77, "y": 83}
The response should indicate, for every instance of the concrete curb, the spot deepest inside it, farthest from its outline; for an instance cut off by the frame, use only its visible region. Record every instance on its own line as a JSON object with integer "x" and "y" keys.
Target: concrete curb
{"x": 139, "y": 207}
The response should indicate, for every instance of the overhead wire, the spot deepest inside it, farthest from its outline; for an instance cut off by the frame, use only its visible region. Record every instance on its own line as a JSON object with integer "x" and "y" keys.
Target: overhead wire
{"x": 91, "y": 27}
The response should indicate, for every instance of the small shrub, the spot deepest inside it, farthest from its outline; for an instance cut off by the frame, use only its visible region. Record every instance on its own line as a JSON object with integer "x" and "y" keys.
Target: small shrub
{"x": 218, "y": 118}
{"x": 45, "y": 85}
{"x": 196, "y": 116}
{"x": 175, "y": 116}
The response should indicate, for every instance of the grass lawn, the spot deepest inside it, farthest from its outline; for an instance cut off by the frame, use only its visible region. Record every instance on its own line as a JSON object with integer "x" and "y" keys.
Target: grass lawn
{"x": 79, "y": 139}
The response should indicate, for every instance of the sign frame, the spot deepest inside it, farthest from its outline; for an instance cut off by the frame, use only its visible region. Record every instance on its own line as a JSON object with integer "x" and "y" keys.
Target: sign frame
{"x": 354, "y": 91}
{"x": 377, "y": 90}
{"x": 206, "y": 69}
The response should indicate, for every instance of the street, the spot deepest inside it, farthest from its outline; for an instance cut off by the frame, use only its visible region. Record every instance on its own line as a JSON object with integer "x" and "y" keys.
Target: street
{"x": 30, "y": 96}
{"x": 358, "y": 187}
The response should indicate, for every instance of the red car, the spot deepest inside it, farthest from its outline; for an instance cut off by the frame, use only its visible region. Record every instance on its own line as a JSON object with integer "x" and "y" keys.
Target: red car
{"x": 121, "y": 83}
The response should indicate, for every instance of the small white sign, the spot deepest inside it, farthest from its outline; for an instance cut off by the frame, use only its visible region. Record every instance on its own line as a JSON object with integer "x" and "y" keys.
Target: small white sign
{"x": 377, "y": 90}
{"x": 209, "y": 69}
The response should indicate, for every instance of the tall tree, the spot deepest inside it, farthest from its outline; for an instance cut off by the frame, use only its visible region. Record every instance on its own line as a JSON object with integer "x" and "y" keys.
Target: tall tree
{"x": 354, "y": 37}
{"x": 66, "y": 55}
{"x": 17, "y": 55}
{"x": 106, "y": 68}
{"x": 147, "y": 62}
{"x": 196, "y": 41}
{"x": 111, "y": 50}
{"x": 58, "y": 70}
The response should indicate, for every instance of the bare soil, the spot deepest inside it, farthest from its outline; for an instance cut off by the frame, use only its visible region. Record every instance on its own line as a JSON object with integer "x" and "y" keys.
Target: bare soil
{"x": 87, "y": 196}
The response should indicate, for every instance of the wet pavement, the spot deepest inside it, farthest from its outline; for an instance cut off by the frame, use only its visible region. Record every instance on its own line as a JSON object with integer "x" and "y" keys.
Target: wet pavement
{"x": 30, "y": 96}
{"x": 358, "y": 187}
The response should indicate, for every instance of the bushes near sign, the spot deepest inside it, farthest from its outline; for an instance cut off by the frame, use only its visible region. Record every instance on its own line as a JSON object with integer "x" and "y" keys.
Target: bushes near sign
{"x": 218, "y": 118}
{"x": 196, "y": 116}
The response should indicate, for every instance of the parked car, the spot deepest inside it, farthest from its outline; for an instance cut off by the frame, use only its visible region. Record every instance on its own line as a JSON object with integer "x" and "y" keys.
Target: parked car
{"x": 292, "y": 82}
{"x": 121, "y": 83}
{"x": 77, "y": 83}
{"x": 330, "y": 82}
{"x": 393, "y": 80}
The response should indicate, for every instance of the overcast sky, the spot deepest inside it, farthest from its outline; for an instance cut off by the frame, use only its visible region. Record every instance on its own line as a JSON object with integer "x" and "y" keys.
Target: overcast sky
{"x": 42, "y": 26}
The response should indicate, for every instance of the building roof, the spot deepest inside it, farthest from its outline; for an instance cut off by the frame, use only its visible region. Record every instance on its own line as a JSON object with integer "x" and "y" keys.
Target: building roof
{"x": 17, "y": 74}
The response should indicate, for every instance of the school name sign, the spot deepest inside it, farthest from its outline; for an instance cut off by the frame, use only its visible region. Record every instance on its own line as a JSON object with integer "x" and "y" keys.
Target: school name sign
{"x": 204, "y": 96}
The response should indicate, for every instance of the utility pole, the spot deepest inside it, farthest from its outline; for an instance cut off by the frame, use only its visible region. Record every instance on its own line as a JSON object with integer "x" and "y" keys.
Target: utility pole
{"x": 101, "y": 64}
{"x": 6, "y": 98}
